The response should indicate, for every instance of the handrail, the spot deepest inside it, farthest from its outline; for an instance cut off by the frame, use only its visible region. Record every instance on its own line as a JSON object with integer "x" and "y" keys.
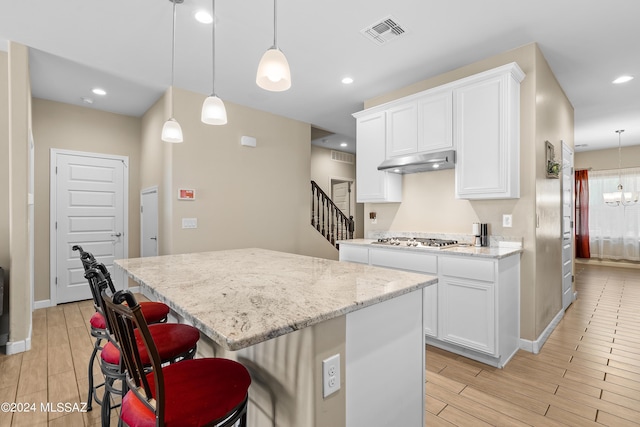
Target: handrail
{"x": 327, "y": 218}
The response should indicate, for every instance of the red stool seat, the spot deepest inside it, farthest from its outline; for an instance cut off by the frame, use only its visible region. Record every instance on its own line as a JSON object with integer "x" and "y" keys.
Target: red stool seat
{"x": 153, "y": 312}
{"x": 171, "y": 339}
{"x": 197, "y": 392}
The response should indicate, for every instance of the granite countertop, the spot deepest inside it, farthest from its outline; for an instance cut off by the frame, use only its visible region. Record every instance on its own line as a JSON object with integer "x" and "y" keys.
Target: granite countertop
{"x": 495, "y": 252}
{"x": 246, "y": 296}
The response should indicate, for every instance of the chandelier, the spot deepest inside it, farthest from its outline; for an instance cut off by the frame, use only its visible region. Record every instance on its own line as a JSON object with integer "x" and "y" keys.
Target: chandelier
{"x": 620, "y": 197}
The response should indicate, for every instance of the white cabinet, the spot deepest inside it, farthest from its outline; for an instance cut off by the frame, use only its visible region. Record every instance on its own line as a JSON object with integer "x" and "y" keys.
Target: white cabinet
{"x": 373, "y": 185}
{"x": 479, "y": 307}
{"x": 435, "y": 122}
{"x": 351, "y": 253}
{"x": 402, "y": 129}
{"x": 487, "y": 134}
{"x": 421, "y": 125}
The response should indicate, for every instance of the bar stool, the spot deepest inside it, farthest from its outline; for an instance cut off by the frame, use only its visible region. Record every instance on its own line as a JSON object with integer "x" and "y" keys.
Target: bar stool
{"x": 176, "y": 342}
{"x": 154, "y": 312}
{"x": 198, "y": 392}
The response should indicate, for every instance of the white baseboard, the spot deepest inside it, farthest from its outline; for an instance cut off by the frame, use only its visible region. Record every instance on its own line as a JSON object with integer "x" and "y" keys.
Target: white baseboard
{"x": 41, "y": 304}
{"x": 15, "y": 347}
{"x": 535, "y": 346}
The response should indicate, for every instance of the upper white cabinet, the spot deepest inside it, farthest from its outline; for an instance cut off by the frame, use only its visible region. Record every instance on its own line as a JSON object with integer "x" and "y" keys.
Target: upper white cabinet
{"x": 435, "y": 122}
{"x": 373, "y": 185}
{"x": 487, "y": 134}
{"x": 402, "y": 129}
{"x": 478, "y": 116}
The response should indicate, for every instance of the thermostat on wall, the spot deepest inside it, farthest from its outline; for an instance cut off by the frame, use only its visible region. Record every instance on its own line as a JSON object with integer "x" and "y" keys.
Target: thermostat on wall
{"x": 186, "y": 194}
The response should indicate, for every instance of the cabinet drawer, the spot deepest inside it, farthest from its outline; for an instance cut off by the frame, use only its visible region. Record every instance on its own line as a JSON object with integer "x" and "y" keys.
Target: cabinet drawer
{"x": 359, "y": 254}
{"x": 404, "y": 260}
{"x": 469, "y": 268}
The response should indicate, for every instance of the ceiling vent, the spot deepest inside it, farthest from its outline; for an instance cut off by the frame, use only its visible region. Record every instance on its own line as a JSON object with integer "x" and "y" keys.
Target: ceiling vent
{"x": 384, "y": 31}
{"x": 341, "y": 156}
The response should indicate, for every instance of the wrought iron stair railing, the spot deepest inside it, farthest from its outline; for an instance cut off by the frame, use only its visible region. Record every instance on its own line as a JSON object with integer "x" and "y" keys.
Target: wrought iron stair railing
{"x": 328, "y": 219}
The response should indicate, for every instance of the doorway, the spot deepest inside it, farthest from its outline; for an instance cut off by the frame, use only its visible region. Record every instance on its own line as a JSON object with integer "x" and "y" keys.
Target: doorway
{"x": 89, "y": 206}
{"x": 343, "y": 197}
{"x": 567, "y": 225}
{"x": 149, "y": 222}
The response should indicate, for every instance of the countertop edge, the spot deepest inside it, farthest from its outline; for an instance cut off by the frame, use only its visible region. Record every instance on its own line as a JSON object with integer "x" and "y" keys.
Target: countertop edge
{"x": 464, "y": 251}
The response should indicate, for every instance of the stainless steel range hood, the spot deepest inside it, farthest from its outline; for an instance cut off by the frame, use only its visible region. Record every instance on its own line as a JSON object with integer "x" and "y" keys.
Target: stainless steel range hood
{"x": 420, "y": 162}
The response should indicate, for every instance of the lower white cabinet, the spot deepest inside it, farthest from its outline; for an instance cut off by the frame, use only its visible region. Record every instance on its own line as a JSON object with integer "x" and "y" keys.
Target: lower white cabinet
{"x": 479, "y": 307}
{"x": 474, "y": 310}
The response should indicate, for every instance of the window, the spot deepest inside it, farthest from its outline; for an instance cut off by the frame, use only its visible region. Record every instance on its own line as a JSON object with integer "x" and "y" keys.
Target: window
{"x": 614, "y": 232}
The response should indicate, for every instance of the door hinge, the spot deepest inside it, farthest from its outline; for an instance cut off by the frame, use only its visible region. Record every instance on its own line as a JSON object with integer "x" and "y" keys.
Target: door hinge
{"x": 56, "y": 281}
{"x": 141, "y": 209}
{"x": 56, "y": 227}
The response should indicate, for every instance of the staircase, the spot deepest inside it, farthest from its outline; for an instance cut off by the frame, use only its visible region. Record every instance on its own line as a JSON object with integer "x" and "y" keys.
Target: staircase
{"x": 330, "y": 221}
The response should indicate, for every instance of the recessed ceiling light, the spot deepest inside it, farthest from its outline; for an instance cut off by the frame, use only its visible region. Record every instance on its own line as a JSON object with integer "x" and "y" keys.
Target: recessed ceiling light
{"x": 347, "y": 80}
{"x": 87, "y": 100}
{"x": 622, "y": 79}
{"x": 204, "y": 17}
{"x": 98, "y": 91}
{"x": 344, "y": 144}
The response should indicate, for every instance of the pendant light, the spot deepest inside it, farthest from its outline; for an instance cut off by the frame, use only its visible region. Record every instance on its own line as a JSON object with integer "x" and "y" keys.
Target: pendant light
{"x": 273, "y": 70}
{"x": 171, "y": 131}
{"x": 213, "y": 111}
{"x": 620, "y": 197}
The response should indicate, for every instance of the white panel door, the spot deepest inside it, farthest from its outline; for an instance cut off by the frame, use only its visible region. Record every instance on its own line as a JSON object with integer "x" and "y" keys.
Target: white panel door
{"x": 567, "y": 225}
{"x": 340, "y": 196}
{"x": 88, "y": 209}
{"x": 149, "y": 222}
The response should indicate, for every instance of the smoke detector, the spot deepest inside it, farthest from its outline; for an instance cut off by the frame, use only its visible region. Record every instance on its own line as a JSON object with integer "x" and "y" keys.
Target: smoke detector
{"x": 384, "y": 31}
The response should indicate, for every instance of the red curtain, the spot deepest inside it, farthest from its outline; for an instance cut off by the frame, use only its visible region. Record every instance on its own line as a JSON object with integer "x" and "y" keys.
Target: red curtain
{"x": 582, "y": 214}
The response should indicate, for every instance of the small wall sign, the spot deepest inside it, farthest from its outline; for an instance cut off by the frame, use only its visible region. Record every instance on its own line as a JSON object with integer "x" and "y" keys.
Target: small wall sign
{"x": 186, "y": 194}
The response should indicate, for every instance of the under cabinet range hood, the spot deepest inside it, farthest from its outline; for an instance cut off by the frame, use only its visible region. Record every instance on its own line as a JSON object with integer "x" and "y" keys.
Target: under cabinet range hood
{"x": 420, "y": 162}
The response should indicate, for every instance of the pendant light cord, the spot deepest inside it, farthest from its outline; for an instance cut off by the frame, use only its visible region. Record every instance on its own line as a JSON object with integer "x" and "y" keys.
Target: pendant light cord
{"x": 213, "y": 47}
{"x": 619, "y": 132}
{"x": 275, "y": 24}
{"x": 173, "y": 52}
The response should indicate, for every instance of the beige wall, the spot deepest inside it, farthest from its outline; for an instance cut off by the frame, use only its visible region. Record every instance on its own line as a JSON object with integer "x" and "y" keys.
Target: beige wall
{"x": 19, "y": 124}
{"x": 608, "y": 159}
{"x": 429, "y": 203}
{"x": 245, "y": 197}
{"x": 323, "y": 169}
{"x": 4, "y": 184}
{"x": 554, "y": 123}
{"x": 68, "y": 127}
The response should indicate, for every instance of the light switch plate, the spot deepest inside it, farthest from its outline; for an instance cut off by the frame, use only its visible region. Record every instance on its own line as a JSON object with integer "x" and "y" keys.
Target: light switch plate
{"x": 189, "y": 222}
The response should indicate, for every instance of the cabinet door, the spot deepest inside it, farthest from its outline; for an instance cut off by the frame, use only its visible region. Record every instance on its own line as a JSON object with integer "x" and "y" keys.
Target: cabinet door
{"x": 435, "y": 122}
{"x": 352, "y": 253}
{"x": 373, "y": 185}
{"x": 402, "y": 130}
{"x": 430, "y": 316}
{"x": 466, "y": 316}
{"x": 487, "y": 139}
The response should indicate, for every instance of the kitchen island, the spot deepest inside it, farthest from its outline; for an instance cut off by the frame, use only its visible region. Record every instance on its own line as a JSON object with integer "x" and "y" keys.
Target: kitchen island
{"x": 282, "y": 315}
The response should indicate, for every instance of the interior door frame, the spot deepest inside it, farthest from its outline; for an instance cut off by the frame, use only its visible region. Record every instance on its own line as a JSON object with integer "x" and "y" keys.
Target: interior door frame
{"x": 152, "y": 189}
{"x": 53, "y": 199}
{"x": 352, "y": 200}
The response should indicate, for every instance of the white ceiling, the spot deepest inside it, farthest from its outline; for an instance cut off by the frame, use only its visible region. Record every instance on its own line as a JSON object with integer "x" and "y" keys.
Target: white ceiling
{"x": 124, "y": 46}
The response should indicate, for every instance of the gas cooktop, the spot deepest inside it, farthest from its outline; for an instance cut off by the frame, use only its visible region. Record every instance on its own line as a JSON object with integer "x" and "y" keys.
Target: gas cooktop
{"x": 416, "y": 242}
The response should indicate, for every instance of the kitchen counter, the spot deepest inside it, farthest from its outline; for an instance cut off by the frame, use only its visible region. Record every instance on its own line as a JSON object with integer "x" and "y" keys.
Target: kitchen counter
{"x": 245, "y": 296}
{"x": 494, "y": 252}
{"x": 285, "y": 316}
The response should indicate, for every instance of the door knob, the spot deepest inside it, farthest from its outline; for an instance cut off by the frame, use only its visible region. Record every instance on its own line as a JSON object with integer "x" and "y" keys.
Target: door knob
{"x": 153, "y": 238}
{"x": 116, "y": 235}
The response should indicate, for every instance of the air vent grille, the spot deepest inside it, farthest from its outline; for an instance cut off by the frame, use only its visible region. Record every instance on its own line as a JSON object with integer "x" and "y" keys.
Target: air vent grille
{"x": 340, "y": 156}
{"x": 383, "y": 31}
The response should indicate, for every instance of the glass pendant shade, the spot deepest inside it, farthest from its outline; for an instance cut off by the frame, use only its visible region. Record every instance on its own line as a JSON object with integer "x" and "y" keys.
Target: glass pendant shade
{"x": 171, "y": 131}
{"x": 273, "y": 71}
{"x": 213, "y": 111}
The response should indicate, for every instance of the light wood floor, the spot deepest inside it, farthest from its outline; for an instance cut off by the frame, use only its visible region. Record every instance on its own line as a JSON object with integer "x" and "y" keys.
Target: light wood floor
{"x": 587, "y": 374}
